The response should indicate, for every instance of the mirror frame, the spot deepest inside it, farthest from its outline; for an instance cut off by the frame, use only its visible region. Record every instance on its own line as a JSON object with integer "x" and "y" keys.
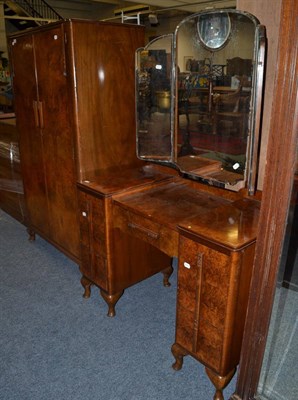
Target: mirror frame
{"x": 255, "y": 110}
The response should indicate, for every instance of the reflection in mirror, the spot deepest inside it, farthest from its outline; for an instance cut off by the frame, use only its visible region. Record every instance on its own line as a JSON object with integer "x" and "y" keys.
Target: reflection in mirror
{"x": 214, "y": 30}
{"x": 215, "y": 84}
{"x": 154, "y": 100}
{"x": 200, "y": 110}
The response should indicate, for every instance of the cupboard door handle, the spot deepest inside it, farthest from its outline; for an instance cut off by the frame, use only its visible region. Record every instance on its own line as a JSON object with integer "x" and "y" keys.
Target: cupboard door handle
{"x": 35, "y": 110}
{"x": 148, "y": 232}
{"x": 40, "y": 111}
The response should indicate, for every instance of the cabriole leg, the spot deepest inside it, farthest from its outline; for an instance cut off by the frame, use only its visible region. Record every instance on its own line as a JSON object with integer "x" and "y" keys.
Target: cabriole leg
{"x": 111, "y": 300}
{"x": 220, "y": 382}
{"x": 178, "y": 352}
{"x": 166, "y": 276}
{"x": 86, "y": 283}
{"x": 31, "y": 234}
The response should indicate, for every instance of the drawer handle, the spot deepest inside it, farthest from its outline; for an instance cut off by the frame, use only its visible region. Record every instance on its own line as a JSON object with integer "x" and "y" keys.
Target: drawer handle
{"x": 186, "y": 265}
{"x": 148, "y": 232}
{"x": 35, "y": 110}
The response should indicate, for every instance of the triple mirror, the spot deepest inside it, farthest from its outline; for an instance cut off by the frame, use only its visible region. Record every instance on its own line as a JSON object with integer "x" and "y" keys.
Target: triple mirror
{"x": 199, "y": 95}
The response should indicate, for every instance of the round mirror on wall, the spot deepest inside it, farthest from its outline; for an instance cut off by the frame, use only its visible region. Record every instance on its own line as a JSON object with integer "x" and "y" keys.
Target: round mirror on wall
{"x": 214, "y": 30}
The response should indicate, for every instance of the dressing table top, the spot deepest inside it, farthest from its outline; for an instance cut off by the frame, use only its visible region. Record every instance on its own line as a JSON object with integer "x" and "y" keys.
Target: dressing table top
{"x": 178, "y": 205}
{"x": 112, "y": 182}
{"x": 233, "y": 225}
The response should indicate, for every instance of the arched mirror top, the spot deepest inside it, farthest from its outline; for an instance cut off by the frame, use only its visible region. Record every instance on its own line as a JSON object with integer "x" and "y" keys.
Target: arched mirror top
{"x": 200, "y": 112}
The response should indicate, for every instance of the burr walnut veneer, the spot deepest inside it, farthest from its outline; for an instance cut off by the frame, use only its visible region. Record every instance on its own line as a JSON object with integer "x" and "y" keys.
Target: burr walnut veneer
{"x": 134, "y": 222}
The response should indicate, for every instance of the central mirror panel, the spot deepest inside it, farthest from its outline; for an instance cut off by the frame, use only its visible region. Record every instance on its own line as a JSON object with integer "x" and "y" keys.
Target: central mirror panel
{"x": 154, "y": 100}
{"x": 199, "y": 98}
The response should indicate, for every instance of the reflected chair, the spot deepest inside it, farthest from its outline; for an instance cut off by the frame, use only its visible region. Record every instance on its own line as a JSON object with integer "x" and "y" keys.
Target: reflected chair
{"x": 230, "y": 113}
{"x": 191, "y": 101}
{"x": 184, "y": 109}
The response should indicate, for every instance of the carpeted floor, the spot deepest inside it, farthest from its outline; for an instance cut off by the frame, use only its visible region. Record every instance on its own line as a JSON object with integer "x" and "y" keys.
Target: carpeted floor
{"x": 56, "y": 345}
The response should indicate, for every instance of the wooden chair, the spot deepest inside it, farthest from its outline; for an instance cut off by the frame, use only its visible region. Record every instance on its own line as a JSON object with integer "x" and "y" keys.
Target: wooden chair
{"x": 194, "y": 100}
{"x": 230, "y": 113}
{"x": 184, "y": 108}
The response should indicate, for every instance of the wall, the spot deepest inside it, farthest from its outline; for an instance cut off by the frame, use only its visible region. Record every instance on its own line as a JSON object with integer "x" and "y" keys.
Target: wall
{"x": 239, "y": 46}
{"x": 268, "y": 13}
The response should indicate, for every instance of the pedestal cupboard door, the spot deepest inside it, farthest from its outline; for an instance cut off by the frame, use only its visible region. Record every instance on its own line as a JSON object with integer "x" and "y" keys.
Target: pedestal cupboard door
{"x": 203, "y": 299}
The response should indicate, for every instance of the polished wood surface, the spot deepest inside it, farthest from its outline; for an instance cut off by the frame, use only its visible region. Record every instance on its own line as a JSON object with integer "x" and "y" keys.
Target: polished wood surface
{"x": 110, "y": 259}
{"x": 232, "y": 226}
{"x": 103, "y": 74}
{"x": 189, "y": 197}
{"x": 132, "y": 219}
{"x": 30, "y": 139}
{"x": 124, "y": 179}
{"x": 215, "y": 266}
{"x": 277, "y": 190}
{"x": 213, "y": 234}
{"x": 67, "y": 78}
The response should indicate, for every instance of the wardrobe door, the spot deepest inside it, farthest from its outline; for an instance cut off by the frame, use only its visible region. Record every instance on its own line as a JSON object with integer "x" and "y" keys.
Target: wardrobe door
{"x": 30, "y": 139}
{"x": 56, "y": 122}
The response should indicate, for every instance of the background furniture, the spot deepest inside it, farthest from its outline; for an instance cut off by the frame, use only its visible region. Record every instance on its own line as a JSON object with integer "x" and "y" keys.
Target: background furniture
{"x": 239, "y": 66}
{"x": 230, "y": 113}
{"x": 74, "y": 102}
{"x": 11, "y": 185}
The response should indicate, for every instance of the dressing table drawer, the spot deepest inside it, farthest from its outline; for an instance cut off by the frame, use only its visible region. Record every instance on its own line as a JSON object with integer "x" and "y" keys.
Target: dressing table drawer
{"x": 93, "y": 238}
{"x": 91, "y": 208}
{"x": 162, "y": 237}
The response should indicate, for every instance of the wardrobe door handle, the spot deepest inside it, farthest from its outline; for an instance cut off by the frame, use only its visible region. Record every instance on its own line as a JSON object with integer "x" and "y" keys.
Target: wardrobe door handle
{"x": 40, "y": 111}
{"x": 35, "y": 110}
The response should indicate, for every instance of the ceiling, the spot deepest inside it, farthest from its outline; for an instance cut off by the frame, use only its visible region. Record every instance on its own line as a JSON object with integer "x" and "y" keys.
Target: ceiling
{"x": 105, "y": 9}
{"x": 183, "y": 5}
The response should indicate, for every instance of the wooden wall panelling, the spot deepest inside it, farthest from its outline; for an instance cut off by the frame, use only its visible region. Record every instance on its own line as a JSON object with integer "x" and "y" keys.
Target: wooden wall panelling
{"x": 280, "y": 169}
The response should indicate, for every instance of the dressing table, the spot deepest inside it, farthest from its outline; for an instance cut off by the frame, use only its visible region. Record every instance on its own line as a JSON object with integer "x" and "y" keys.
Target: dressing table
{"x": 197, "y": 205}
{"x": 131, "y": 233}
{"x": 213, "y": 236}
